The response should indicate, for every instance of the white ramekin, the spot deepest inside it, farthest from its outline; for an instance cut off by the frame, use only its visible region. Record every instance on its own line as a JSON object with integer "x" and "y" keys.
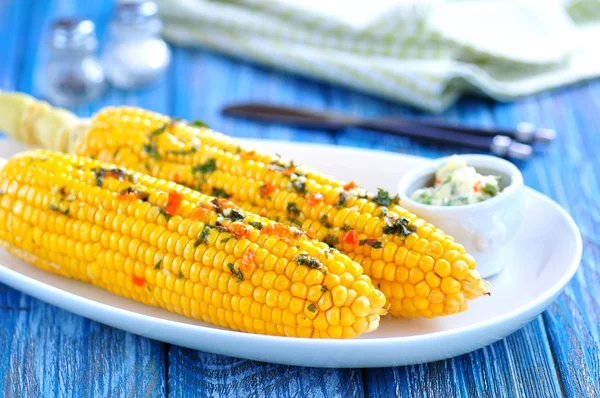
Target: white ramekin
{"x": 484, "y": 228}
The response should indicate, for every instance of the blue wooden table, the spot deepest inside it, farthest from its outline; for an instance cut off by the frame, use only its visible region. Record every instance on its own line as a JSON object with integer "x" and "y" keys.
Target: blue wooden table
{"x": 49, "y": 352}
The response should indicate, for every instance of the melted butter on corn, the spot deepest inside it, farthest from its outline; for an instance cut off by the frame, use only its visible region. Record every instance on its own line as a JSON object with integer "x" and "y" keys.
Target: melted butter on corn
{"x": 113, "y": 228}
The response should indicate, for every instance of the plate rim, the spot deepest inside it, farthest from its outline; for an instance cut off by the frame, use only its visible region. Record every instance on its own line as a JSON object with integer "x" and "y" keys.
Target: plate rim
{"x": 37, "y": 289}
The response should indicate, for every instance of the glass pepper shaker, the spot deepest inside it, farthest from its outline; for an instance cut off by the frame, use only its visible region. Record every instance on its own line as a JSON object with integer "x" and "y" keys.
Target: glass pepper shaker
{"x": 73, "y": 73}
{"x": 135, "y": 54}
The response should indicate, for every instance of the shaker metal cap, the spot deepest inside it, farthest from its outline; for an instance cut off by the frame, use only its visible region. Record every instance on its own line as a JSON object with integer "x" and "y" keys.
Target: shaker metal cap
{"x": 131, "y": 12}
{"x": 74, "y": 33}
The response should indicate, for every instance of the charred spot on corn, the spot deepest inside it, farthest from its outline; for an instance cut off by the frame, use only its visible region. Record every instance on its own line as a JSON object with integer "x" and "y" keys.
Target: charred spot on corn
{"x": 205, "y": 168}
{"x": 256, "y": 224}
{"x": 374, "y": 243}
{"x": 312, "y": 308}
{"x": 324, "y": 289}
{"x": 238, "y": 274}
{"x": 203, "y": 237}
{"x": 398, "y": 227}
{"x": 342, "y": 199}
{"x": 308, "y": 261}
{"x": 383, "y": 198}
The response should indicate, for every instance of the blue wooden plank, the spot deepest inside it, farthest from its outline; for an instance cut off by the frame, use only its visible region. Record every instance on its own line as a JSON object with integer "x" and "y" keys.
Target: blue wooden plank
{"x": 509, "y": 368}
{"x": 204, "y": 82}
{"x": 47, "y": 351}
{"x": 197, "y": 374}
{"x": 572, "y": 321}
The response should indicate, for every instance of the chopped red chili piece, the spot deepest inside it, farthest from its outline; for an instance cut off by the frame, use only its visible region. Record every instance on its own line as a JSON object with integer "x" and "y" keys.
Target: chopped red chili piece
{"x": 126, "y": 195}
{"x": 239, "y": 230}
{"x": 350, "y": 237}
{"x": 176, "y": 178}
{"x": 137, "y": 280}
{"x": 266, "y": 190}
{"x": 173, "y": 202}
{"x": 314, "y": 199}
{"x": 349, "y": 186}
{"x": 477, "y": 187}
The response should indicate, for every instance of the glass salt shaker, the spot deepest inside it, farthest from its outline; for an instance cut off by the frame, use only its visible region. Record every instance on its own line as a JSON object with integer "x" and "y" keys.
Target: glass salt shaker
{"x": 73, "y": 73}
{"x": 135, "y": 54}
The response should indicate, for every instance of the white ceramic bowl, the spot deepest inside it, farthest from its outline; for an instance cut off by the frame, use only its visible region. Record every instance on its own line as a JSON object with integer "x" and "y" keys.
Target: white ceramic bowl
{"x": 484, "y": 229}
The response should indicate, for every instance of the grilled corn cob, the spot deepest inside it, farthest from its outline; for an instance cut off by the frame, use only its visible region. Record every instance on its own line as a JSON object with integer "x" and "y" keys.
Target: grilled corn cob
{"x": 162, "y": 244}
{"x": 421, "y": 270}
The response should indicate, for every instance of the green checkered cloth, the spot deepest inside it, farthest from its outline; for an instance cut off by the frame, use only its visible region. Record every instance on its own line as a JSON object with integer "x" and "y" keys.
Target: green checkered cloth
{"x": 422, "y": 52}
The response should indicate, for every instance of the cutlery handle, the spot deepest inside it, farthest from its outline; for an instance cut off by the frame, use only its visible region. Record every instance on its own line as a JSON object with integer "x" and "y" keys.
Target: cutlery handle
{"x": 290, "y": 116}
{"x": 498, "y": 144}
{"x": 524, "y": 132}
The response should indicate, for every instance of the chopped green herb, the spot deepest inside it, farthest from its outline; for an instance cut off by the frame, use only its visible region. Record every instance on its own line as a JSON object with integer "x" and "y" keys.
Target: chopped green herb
{"x": 148, "y": 288}
{"x": 220, "y": 193}
{"x": 312, "y": 308}
{"x": 208, "y": 167}
{"x": 227, "y": 239}
{"x": 305, "y": 259}
{"x": 58, "y": 210}
{"x": 159, "y": 130}
{"x": 158, "y": 264}
{"x": 148, "y": 166}
{"x": 256, "y": 224}
{"x": 384, "y": 211}
{"x": 324, "y": 221}
{"x": 180, "y": 275}
{"x": 164, "y": 213}
{"x": 220, "y": 227}
{"x": 238, "y": 274}
{"x": 234, "y": 215}
{"x": 292, "y": 220}
{"x": 399, "y": 227}
{"x": 238, "y": 150}
{"x": 151, "y": 150}
{"x": 203, "y": 237}
{"x": 277, "y": 218}
{"x": 331, "y": 239}
{"x": 383, "y": 198}
{"x": 193, "y": 149}
{"x": 346, "y": 228}
{"x": 198, "y": 123}
{"x": 324, "y": 289}
{"x": 490, "y": 189}
{"x": 299, "y": 186}
{"x": 116, "y": 152}
{"x": 293, "y": 209}
{"x": 342, "y": 199}
{"x": 374, "y": 243}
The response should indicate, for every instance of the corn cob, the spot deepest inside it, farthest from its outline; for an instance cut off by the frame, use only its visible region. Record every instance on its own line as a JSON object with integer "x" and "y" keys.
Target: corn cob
{"x": 165, "y": 245}
{"x": 421, "y": 270}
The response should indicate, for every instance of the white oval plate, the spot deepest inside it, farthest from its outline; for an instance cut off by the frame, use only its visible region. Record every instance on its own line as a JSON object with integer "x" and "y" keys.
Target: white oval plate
{"x": 540, "y": 263}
